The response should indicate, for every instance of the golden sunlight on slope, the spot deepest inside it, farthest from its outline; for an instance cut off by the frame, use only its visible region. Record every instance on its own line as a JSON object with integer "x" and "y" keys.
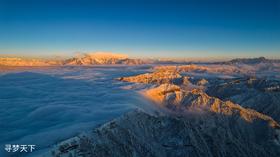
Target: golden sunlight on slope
{"x": 179, "y": 100}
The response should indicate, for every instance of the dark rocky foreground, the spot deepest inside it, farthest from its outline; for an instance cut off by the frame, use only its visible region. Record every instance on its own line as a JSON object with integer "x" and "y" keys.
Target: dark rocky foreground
{"x": 144, "y": 135}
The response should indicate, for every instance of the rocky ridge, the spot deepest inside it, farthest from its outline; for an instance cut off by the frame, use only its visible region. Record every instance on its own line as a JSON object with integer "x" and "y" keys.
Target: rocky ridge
{"x": 259, "y": 94}
{"x": 252, "y": 61}
{"x": 195, "y": 124}
{"x": 178, "y": 100}
{"x": 157, "y": 77}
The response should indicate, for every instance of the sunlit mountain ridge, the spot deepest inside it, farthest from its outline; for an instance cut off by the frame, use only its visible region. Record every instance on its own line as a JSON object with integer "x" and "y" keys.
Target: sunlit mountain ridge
{"x": 108, "y": 58}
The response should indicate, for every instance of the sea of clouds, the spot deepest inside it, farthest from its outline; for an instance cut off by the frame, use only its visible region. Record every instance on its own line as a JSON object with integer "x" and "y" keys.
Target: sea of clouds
{"x": 45, "y": 106}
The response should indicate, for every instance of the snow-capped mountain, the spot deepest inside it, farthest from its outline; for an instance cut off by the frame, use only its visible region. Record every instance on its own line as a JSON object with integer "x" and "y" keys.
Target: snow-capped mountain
{"x": 99, "y": 58}
{"x": 102, "y": 59}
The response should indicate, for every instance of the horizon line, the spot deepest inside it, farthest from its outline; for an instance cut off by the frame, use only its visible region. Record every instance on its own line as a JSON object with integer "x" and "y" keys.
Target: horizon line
{"x": 163, "y": 58}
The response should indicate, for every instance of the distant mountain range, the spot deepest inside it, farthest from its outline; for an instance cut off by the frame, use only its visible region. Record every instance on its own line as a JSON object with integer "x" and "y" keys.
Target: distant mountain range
{"x": 252, "y": 61}
{"x": 101, "y": 58}
{"x": 27, "y": 62}
{"x": 81, "y": 60}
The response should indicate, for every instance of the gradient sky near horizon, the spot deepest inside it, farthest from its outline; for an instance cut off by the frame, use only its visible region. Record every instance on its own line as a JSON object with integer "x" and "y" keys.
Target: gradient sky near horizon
{"x": 189, "y": 28}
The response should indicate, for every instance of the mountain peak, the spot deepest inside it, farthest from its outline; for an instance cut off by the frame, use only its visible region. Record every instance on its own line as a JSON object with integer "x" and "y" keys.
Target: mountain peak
{"x": 106, "y": 55}
{"x": 99, "y": 58}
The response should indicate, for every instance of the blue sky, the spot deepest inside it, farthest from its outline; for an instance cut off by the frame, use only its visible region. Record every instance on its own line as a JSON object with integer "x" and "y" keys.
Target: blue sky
{"x": 190, "y": 28}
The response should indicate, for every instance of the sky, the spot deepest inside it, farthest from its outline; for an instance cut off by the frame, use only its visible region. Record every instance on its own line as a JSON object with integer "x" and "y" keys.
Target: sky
{"x": 183, "y": 29}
